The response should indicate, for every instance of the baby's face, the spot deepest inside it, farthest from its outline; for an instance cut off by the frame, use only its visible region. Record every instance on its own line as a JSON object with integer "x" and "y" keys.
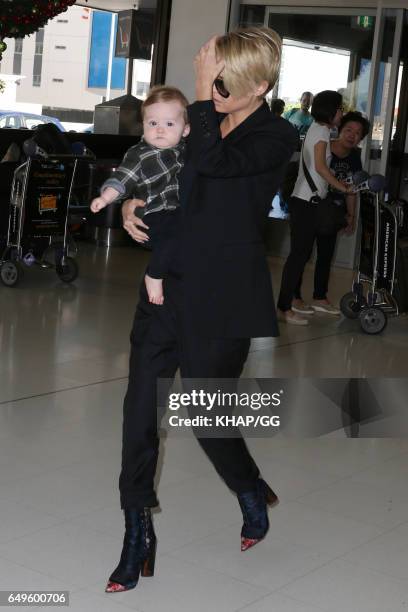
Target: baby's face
{"x": 164, "y": 125}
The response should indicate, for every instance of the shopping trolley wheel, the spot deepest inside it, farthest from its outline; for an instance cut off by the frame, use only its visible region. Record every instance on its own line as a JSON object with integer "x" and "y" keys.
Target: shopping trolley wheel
{"x": 373, "y": 320}
{"x": 10, "y": 273}
{"x": 67, "y": 271}
{"x": 350, "y": 306}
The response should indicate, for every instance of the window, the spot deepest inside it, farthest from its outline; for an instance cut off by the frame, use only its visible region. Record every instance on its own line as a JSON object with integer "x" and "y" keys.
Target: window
{"x": 18, "y": 51}
{"x": 8, "y": 122}
{"x": 39, "y": 37}
{"x": 38, "y": 57}
{"x": 58, "y": 80}
{"x": 32, "y": 123}
{"x": 37, "y": 70}
{"x": 62, "y": 20}
{"x": 142, "y": 88}
{"x": 60, "y": 47}
{"x": 17, "y": 63}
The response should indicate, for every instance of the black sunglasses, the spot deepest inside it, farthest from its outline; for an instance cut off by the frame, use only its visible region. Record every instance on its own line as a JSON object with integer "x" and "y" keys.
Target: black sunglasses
{"x": 220, "y": 87}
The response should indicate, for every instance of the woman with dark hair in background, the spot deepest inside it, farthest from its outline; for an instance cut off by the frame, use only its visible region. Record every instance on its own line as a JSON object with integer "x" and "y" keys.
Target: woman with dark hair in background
{"x": 345, "y": 161}
{"x": 327, "y": 113}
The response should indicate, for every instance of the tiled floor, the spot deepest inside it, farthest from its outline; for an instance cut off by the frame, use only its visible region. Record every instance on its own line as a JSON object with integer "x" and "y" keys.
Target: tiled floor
{"x": 338, "y": 539}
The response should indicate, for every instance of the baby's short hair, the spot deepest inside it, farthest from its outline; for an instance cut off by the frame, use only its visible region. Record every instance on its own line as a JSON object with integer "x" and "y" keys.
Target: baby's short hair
{"x": 251, "y": 55}
{"x": 165, "y": 93}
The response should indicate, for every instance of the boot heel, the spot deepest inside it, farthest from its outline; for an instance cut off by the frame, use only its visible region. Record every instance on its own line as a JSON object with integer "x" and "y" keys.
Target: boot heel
{"x": 271, "y": 497}
{"x": 148, "y": 563}
{"x": 138, "y": 552}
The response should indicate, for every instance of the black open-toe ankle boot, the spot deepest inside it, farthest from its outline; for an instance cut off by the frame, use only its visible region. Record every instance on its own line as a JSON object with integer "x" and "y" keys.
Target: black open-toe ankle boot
{"x": 138, "y": 552}
{"x": 254, "y": 510}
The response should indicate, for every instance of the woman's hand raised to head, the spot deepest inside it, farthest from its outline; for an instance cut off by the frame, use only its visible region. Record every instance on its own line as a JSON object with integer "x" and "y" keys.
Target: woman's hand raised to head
{"x": 131, "y": 223}
{"x": 207, "y": 68}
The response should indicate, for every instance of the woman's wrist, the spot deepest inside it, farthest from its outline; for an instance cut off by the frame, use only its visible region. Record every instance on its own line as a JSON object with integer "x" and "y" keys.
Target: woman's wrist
{"x": 204, "y": 90}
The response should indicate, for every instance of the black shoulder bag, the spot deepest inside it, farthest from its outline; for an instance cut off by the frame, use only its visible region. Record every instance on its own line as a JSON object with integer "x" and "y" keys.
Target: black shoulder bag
{"x": 330, "y": 217}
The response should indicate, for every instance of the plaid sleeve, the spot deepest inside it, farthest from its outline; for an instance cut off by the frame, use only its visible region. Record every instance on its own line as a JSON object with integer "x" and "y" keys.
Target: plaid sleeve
{"x": 115, "y": 184}
{"x": 125, "y": 178}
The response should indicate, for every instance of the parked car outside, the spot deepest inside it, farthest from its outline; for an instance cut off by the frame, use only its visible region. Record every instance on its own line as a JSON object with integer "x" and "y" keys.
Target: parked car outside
{"x": 19, "y": 120}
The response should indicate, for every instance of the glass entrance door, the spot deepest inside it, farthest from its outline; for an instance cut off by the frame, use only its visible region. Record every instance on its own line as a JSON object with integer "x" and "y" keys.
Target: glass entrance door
{"x": 359, "y": 55}
{"x": 325, "y": 48}
{"x": 396, "y": 160}
{"x": 363, "y": 54}
{"x": 385, "y": 89}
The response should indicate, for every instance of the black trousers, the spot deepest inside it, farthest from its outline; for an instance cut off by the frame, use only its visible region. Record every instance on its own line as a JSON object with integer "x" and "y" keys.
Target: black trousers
{"x": 302, "y": 237}
{"x": 325, "y": 246}
{"x": 163, "y": 232}
{"x": 161, "y": 343}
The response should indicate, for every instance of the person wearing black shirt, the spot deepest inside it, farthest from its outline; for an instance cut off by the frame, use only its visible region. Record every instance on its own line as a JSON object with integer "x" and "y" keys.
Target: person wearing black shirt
{"x": 218, "y": 289}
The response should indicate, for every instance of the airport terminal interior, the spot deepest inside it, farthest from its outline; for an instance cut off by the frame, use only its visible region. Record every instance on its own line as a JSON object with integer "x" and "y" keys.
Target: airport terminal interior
{"x": 338, "y": 538}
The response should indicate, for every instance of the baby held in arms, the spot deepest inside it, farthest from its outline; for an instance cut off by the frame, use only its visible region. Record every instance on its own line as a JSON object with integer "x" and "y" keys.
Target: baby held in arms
{"x": 149, "y": 172}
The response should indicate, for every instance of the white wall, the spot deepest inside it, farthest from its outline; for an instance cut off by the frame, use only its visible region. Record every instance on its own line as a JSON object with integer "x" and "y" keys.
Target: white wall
{"x": 192, "y": 23}
{"x": 69, "y": 64}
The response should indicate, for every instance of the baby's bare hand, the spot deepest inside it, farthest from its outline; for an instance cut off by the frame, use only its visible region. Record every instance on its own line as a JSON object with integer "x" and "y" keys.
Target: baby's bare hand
{"x": 97, "y": 204}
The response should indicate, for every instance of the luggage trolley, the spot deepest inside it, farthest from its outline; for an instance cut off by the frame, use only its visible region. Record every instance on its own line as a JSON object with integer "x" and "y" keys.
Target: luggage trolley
{"x": 40, "y": 197}
{"x": 375, "y": 288}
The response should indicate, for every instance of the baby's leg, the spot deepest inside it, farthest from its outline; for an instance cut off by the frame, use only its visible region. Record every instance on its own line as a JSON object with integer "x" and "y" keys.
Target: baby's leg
{"x": 164, "y": 229}
{"x": 154, "y": 287}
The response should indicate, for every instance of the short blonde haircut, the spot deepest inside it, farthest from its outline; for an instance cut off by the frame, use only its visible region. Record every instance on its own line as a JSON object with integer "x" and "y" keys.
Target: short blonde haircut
{"x": 251, "y": 55}
{"x": 165, "y": 93}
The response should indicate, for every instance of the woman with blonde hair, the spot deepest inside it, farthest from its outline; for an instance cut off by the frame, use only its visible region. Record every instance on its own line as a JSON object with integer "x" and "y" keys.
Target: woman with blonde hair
{"x": 218, "y": 291}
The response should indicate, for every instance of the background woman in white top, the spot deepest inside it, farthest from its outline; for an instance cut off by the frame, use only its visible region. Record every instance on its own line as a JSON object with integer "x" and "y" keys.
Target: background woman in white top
{"x": 327, "y": 113}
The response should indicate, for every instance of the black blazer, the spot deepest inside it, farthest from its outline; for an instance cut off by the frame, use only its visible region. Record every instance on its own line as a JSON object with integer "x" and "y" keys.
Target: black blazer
{"x": 227, "y": 186}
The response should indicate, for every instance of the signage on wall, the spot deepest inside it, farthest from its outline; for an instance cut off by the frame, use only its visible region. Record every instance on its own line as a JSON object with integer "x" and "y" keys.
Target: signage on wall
{"x": 99, "y": 55}
{"x": 134, "y": 36}
{"x": 363, "y": 22}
